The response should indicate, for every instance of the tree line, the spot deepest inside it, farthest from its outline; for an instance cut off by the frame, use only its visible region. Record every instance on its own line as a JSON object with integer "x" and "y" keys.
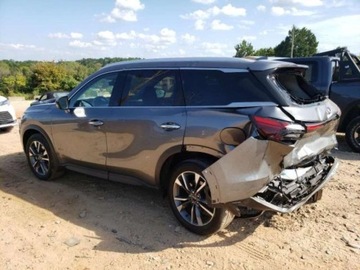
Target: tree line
{"x": 298, "y": 43}
{"x": 32, "y": 78}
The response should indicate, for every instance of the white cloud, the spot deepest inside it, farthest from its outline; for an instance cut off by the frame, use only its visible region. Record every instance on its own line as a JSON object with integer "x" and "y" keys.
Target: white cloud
{"x": 199, "y": 24}
{"x": 280, "y": 11}
{"x": 230, "y": 10}
{"x": 106, "y": 35}
{"x": 167, "y": 35}
{"x": 297, "y": 12}
{"x": 218, "y": 25}
{"x": 200, "y": 16}
{"x": 305, "y": 3}
{"x": 189, "y": 39}
{"x": 197, "y": 15}
{"x": 124, "y": 10}
{"x": 106, "y": 38}
{"x": 182, "y": 52}
{"x": 79, "y": 44}
{"x": 108, "y": 19}
{"x": 22, "y": 46}
{"x": 126, "y": 15}
{"x": 205, "y": 2}
{"x": 214, "y": 48}
{"x": 76, "y": 35}
{"x": 130, "y": 4}
{"x": 126, "y": 36}
{"x": 261, "y": 8}
{"x": 58, "y": 35}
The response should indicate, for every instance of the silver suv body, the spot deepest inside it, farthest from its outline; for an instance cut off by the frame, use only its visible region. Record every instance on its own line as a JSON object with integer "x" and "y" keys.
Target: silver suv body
{"x": 219, "y": 135}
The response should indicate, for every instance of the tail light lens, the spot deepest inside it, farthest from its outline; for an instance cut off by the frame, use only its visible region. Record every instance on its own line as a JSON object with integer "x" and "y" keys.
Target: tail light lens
{"x": 277, "y": 130}
{"x": 313, "y": 127}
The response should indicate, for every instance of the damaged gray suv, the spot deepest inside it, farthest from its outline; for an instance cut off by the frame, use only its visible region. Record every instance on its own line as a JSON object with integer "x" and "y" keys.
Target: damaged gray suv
{"x": 223, "y": 137}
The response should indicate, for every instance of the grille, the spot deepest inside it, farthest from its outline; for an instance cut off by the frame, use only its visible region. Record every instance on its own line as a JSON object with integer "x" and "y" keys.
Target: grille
{"x": 5, "y": 118}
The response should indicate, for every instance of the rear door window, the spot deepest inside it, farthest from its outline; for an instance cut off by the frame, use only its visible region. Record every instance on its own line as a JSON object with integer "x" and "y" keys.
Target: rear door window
{"x": 151, "y": 88}
{"x": 221, "y": 87}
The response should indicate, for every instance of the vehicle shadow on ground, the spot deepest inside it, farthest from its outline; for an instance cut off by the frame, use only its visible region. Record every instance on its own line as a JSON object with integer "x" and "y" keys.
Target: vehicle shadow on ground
{"x": 124, "y": 218}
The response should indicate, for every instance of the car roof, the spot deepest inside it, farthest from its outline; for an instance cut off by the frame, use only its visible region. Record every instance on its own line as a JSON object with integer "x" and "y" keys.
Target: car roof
{"x": 199, "y": 62}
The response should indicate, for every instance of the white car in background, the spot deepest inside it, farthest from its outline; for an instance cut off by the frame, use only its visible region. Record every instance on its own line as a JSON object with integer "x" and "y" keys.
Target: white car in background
{"x": 7, "y": 114}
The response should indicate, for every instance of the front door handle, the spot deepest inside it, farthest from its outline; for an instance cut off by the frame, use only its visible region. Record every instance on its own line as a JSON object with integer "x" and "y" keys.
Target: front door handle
{"x": 96, "y": 123}
{"x": 170, "y": 126}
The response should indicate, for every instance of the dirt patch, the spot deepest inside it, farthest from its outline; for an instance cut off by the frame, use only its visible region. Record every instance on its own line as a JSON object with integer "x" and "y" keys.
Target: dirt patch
{"x": 81, "y": 222}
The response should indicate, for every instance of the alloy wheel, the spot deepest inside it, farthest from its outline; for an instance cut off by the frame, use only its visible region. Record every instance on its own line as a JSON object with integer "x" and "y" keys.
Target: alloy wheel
{"x": 189, "y": 195}
{"x": 39, "y": 158}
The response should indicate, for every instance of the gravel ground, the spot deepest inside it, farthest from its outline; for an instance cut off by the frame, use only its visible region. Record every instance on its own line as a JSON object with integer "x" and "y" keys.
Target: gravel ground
{"x": 81, "y": 222}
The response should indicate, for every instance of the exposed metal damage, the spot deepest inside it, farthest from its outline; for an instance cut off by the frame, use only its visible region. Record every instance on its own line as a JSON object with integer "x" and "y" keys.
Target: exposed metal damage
{"x": 268, "y": 175}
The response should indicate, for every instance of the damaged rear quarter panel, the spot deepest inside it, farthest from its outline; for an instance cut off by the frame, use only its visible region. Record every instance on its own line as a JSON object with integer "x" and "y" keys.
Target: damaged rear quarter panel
{"x": 244, "y": 171}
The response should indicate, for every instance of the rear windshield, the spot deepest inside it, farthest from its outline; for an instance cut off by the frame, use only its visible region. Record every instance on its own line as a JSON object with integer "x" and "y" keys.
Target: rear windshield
{"x": 293, "y": 83}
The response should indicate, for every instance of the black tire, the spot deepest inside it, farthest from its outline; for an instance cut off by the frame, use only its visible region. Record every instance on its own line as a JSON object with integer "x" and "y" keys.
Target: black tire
{"x": 188, "y": 195}
{"x": 41, "y": 158}
{"x": 352, "y": 134}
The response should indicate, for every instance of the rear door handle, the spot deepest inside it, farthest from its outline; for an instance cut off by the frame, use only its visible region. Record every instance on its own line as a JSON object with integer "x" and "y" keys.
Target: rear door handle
{"x": 170, "y": 126}
{"x": 96, "y": 123}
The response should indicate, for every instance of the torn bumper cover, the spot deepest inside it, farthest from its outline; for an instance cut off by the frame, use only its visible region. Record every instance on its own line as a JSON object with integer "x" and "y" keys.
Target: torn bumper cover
{"x": 268, "y": 175}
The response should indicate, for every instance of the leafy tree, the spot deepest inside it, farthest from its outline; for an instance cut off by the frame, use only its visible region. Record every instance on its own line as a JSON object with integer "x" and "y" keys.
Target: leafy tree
{"x": 12, "y": 84}
{"x": 244, "y": 49}
{"x": 265, "y": 52}
{"x": 47, "y": 76}
{"x": 299, "y": 43}
{"x": 4, "y": 69}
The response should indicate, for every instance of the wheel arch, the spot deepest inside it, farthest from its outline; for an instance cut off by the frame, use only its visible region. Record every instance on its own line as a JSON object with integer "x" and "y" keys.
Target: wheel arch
{"x": 348, "y": 115}
{"x": 31, "y": 130}
{"x": 187, "y": 152}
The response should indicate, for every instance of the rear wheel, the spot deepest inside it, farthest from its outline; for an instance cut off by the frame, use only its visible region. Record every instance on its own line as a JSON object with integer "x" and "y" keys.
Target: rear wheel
{"x": 41, "y": 158}
{"x": 189, "y": 195}
{"x": 353, "y": 134}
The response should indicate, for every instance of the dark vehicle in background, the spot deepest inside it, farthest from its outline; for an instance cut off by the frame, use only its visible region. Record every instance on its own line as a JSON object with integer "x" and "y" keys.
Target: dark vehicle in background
{"x": 222, "y": 137}
{"x": 49, "y": 97}
{"x": 336, "y": 74}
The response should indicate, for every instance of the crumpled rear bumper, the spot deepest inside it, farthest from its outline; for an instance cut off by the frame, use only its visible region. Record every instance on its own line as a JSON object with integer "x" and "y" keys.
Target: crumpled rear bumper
{"x": 260, "y": 203}
{"x": 268, "y": 175}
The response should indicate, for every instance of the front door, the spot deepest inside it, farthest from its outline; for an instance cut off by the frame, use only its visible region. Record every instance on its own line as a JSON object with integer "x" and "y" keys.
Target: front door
{"x": 79, "y": 134}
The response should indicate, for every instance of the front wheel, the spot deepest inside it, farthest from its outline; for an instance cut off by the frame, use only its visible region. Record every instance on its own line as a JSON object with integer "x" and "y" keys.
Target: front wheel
{"x": 189, "y": 195}
{"x": 41, "y": 158}
{"x": 353, "y": 134}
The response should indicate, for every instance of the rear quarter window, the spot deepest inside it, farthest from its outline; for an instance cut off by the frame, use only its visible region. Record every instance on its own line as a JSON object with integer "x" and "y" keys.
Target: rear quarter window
{"x": 217, "y": 87}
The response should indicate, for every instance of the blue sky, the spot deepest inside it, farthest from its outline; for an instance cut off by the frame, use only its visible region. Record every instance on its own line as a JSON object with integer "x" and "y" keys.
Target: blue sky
{"x": 55, "y": 30}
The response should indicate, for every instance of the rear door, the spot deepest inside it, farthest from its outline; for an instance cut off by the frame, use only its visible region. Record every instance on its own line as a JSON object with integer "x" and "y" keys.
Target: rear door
{"x": 146, "y": 126}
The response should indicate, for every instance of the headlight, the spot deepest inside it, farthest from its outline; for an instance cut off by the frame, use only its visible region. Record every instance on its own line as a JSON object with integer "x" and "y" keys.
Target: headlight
{"x": 4, "y": 102}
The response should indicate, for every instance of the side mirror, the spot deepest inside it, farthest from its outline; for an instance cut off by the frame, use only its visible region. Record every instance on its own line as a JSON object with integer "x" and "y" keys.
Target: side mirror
{"x": 63, "y": 103}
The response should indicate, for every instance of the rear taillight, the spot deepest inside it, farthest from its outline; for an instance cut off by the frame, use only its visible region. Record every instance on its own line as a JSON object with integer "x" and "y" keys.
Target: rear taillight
{"x": 277, "y": 130}
{"x": 313, "y": 127}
